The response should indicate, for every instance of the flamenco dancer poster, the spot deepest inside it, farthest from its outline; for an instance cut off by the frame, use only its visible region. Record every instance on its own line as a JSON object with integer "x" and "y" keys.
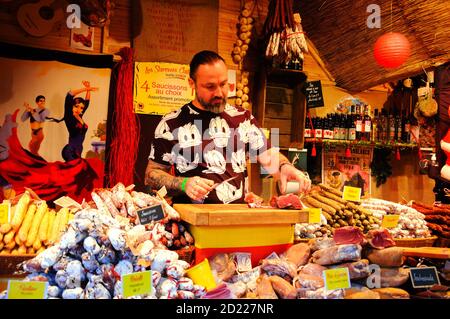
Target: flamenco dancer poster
{"x": 52, "y": 128}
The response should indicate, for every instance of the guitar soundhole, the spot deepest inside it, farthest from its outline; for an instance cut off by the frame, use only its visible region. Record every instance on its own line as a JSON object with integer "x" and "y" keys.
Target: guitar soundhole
{"x": 46, "y": 13}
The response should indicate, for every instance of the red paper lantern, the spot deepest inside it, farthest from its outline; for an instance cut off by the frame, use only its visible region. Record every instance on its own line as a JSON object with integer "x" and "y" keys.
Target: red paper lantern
{"x": 391, "y": 50}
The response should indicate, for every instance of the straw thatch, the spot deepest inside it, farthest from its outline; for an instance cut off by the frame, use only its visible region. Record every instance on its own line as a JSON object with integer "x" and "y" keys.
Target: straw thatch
{"x": 339, "y": 31}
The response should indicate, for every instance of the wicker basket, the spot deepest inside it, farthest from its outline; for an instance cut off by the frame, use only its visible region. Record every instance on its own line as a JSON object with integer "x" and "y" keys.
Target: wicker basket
{"x": 416, "y": 242}
{"x": 442, "y": 242}
{"x": 187, "y": 254}
{"x": 9, "y": 263}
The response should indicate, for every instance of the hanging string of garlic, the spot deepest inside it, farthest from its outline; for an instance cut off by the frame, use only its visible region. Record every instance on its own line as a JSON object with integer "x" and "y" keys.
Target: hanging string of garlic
{"x": 240, "y": 51}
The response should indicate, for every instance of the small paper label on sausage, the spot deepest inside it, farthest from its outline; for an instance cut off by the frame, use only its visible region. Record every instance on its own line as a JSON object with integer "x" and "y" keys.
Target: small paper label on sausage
{"x": 337, "y": 278}
{"x": 136, "y": 284}
{"x": 390, "y": 221}
{"x": 27, "y": 289}
{"x": 314, "y": 215}
{"x": 352, "y": 194}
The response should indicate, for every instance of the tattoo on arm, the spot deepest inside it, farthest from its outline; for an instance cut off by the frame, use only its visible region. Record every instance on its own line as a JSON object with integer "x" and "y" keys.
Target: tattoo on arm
{"x": 157, "y": 176}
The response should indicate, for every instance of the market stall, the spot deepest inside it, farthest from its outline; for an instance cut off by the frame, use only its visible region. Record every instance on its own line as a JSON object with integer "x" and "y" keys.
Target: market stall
{"x": 319, "y": 171}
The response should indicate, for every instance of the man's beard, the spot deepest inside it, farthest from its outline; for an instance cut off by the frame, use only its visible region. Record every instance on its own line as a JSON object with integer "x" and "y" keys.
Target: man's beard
{"x": 216, "y": 107}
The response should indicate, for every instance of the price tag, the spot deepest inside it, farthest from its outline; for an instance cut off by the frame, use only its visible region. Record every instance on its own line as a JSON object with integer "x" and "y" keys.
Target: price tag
{"x": 244, "y": 261}
{"x": 162, "y": 192}
{"x": 352, "y": 193}
{"x": 5, "y": 208}
{"x": 149, "y": 214}
{"x": 67, "y": 202}
{"x": 27, "y": 289}
{"x": 138, "y": 283}
{"x": 422, "y": 277}
{"x": 390, "y": 221}
{"x": 337, "y": 278}
{"x": 273, "y": 255}
{"x": 314, "y": 215}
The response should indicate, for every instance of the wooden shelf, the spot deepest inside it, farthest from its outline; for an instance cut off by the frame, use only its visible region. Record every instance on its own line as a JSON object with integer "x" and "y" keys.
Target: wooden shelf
{"x": 362, "y": 143}
{"x": 288, "y": 77}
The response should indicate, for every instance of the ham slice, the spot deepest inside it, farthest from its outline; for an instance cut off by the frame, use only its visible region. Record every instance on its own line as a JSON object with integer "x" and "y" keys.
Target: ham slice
{"x": 348, "y": 235}
{"x": 286, "y": 201}
{"x": 273, "y": 202}
{"x": 253, "y": 200}
{"x": 380, "y": 238}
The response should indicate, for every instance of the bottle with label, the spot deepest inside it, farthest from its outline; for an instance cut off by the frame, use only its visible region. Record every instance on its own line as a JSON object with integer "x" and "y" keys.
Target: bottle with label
{"x": 328, "y": 134}
{"x": 307, "y": 128}
{"x": 331, "y": 126}
{"x": 398, "y": 127}
{"x": 407, "y": 129}
{"x": 336, "y": 131}
{"x": 318, "y": 127}
{"x": 367, "y": 124}
{"x": 343, "y": 127}
{"x": 375, "y": 126}
{"x": 392, "y": 132}
{"x": 351, "y": 127}
{"x": 383, "y": 126}
{"x": 359, "y": 123}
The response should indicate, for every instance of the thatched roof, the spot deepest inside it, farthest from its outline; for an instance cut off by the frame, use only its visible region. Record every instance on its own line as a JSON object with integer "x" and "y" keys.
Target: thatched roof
{"x": 339, "y": 31}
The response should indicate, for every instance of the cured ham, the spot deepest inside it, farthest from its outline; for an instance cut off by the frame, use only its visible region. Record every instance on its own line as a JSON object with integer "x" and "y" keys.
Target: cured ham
{"x": 380, "y": 238}
{"x": 286, "y": 201}
{"x": 349, "y": 235}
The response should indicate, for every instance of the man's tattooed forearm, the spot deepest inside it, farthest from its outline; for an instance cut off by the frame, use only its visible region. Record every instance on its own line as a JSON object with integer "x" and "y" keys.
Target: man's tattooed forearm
{"x": 157, "y": 178}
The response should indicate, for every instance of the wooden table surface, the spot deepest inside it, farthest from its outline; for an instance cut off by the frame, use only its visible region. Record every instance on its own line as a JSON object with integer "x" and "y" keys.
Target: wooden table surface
{"x": 238, "y": 214}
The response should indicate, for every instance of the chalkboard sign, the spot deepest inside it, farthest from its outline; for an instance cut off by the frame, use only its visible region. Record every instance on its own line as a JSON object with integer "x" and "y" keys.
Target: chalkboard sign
{"x": 313, "y": 94}
{"x": 149, "y": 214}
{"x": 422, "y": 277}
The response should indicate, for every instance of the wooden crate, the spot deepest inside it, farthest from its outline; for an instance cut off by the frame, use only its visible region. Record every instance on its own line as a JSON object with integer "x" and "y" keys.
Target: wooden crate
{"x": 416, "y": 242}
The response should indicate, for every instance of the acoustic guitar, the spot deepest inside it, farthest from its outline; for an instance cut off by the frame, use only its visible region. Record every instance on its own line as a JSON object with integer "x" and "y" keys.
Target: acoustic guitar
{"x": 38, "y": 19}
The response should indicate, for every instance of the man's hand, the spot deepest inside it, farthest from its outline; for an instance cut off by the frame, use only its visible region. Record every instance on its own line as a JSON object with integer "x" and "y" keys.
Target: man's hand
{"x": 289, "y": 173}
{"x": 197, "y": 188}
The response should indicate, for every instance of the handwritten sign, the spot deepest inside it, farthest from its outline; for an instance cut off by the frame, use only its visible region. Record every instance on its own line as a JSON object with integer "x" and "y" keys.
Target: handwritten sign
{"x": 314, "y": 215}
{"x": 422, "y": 277}
{"x": 149, "y": 214}
{"x": 27, "y": 289}
{"x": 313, "y": 94}
{"x": 5, "y": 208}
{"x": 352, "y": 193}
{"x": 337, "y": 278}
{"x": 138, "y": 283}
{"x": 390, "y": 221}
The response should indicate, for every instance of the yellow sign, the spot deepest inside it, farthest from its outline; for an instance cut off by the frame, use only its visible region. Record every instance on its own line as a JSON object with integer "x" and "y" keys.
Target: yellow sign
{"x": 138, "y": 283}
{"x": 390, "y": 221}
{"x": 314, "y": 215}
{"x": 352, "y": 193}
{"x": 4, "y": 213}
{"x": 337, "y": 278}
{"x": 27, "y": 289}
{"x": 160, "y": 88}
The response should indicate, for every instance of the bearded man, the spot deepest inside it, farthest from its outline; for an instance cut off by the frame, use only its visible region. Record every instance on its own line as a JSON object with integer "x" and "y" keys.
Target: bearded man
{"x": 200, "y": 151}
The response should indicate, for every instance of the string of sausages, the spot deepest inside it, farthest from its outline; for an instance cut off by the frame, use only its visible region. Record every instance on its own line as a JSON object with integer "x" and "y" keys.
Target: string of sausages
{"x": 124, "y": 137}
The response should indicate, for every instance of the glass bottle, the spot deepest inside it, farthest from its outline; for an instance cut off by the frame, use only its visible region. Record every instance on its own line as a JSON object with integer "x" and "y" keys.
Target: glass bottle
{"x": 359, "y": 123}
{"x": 367, "y": 124}
{"x": 375, "y": 126}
